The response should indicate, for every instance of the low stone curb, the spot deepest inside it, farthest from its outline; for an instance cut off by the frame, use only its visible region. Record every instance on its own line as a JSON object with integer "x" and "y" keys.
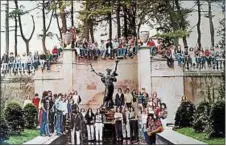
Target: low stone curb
{"x": 171, "y": 137}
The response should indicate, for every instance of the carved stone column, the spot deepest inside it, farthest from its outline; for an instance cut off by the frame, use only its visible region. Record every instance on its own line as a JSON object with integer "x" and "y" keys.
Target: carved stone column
{"x": 68, "y": 59}
{"x": 144, "y": 69}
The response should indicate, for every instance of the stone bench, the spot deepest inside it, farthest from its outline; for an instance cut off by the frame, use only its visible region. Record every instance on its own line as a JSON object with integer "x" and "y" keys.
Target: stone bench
{"x": 170, "y": 137}
{"x": 53, "y": 140}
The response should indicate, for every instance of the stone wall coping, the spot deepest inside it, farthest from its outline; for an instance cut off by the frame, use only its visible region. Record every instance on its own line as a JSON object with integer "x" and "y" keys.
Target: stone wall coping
{"x": 42, "y": 140}
{"x": 144, "y": 47}
{"x": 175, "y": 138}
{"x": 54, "y": 139}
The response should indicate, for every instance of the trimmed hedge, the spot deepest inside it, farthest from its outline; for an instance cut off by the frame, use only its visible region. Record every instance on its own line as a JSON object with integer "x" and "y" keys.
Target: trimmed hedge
{"x": 14, "y": 117}
{"x": 4, "y": 130}
{"x": 185, "y": 114}
{"x": 201, "y": 117}
{"x": 30, "y": 116}
{"x": 216, "y": 126}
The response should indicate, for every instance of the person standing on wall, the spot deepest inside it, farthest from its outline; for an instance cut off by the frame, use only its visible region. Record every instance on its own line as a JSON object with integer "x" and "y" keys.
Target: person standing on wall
{"x": 99, "y": 120}
{"x": 76, "y": 125}
{"x": 89, "y": 124}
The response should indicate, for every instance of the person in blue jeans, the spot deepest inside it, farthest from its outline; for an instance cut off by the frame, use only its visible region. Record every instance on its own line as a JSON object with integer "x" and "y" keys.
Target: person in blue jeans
{"x": 59, "y": 115}
{"x": 179, "y": 55}
{"x": 44, "y": 128}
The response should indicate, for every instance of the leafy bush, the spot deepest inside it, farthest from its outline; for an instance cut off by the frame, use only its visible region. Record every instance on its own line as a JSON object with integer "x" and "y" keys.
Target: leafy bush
{"x": 201, "y": 117}
{"x": 216, "y": 125}
{"x": 30, "y": 116}
{"x": 4, "y": 130}
{"x": 184, "y": 115}
{"x": 14, "y": 117}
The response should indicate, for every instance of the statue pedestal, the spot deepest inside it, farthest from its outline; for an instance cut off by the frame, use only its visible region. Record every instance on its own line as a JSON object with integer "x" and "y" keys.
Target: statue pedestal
{"x": 68, "y": 59}
{"x": 144, "y": 68}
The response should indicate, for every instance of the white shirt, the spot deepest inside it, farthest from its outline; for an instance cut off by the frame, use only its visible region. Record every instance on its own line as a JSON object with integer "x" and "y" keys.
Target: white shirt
{"x": 23, "y": 59}
{"x": 64, "y": 108}
{"x": 144, "y": 118}
{"x": 75, "y": 98}
{"x": 118, "y": 115}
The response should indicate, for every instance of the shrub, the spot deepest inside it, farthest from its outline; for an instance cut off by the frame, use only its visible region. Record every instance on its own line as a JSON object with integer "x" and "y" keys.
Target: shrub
{"x": 201, "y": 116}
{"x": 14, "y": 117}
{"x": 4, "y": 130}
{"x": 216, "y": 125}
{"x": 30, "y": 116}
{"x": 184, "y": 115}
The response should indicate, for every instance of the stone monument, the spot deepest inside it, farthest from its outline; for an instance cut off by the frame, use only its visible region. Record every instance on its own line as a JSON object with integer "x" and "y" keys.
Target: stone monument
{"x": 108, "y": 81}
{"x": 68, "y": 59}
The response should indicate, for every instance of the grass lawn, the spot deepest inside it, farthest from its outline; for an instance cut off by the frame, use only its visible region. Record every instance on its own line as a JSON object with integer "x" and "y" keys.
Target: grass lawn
{"x": 26, "y": 135}
{"x": 201, "y": 136}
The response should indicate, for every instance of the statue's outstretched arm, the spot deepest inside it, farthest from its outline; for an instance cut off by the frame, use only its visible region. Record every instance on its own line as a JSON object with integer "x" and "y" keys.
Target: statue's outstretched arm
{"x": 92, "y": 70}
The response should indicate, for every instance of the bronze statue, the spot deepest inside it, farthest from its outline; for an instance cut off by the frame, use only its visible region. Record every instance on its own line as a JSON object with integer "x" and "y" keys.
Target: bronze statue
{"x": 108, "y": 81}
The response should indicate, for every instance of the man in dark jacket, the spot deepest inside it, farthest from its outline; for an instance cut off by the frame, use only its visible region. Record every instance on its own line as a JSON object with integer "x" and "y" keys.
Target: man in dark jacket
{"x": 76, "y": 125}
{"x": 4, "y": 63}
{"x": 119, "y": 98}
{"x": 109, "y": 47}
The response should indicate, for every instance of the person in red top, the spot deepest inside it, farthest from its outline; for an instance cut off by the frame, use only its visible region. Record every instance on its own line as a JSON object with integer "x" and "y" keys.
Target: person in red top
{"x": 151, "y": 43}
{"x": 55, "y": 53}
{"x": 207, "y": 56}
{"x": 36, "y": 100}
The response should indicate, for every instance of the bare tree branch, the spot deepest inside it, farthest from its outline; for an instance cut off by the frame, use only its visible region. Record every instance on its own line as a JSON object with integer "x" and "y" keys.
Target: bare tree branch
{"x": 33, "y": 28}
{"x": 50, "y": 21}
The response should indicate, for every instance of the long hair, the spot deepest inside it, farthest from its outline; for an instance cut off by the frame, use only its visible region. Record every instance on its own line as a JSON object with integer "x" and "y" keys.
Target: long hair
{"x": 89, "y": 109}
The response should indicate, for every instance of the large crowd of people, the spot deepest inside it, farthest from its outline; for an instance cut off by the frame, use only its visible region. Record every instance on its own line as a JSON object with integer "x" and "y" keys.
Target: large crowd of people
{"x": 190, "y": 58}
{"x": 28, "y": 63}
{"x": 136, "y": 113}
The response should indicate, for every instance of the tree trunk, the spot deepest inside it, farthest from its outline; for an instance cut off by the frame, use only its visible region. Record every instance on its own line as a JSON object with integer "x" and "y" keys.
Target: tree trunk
{"x": 91, "y": 32}
{"x": 58, "y": 25}
{"x": 44, "y": 45}
{"x": 43, "y": 27}
{"x": 110, "y": 21}
{"x": 72, "y": 21}
{"x": 138, "y": 31}
{"x": 27, "y": 47}
{"x": 21, "y": 28}
{"x": 118, "y": 20}
{"x": 125, "y": 22}
{"x": 63, "y": 17}
{"x": 198, "y": 25}
{"x": 7, "y": 27}
{"x": 15, "y": 37}
{"x": 211, "y": 23}
{"x": 72, "y": 13}
{"x": 87, "y": 29}
{"x": 134, "y": 19}
{"x": 185, "y": 41}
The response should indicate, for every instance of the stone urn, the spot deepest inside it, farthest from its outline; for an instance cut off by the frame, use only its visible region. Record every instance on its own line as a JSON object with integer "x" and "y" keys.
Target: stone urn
{"x": 67, "y": 38}
{"x": 144, "y": 36}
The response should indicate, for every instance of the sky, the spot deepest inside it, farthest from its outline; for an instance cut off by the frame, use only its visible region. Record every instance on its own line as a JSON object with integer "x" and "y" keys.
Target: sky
{"x": 36, "y": 44}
